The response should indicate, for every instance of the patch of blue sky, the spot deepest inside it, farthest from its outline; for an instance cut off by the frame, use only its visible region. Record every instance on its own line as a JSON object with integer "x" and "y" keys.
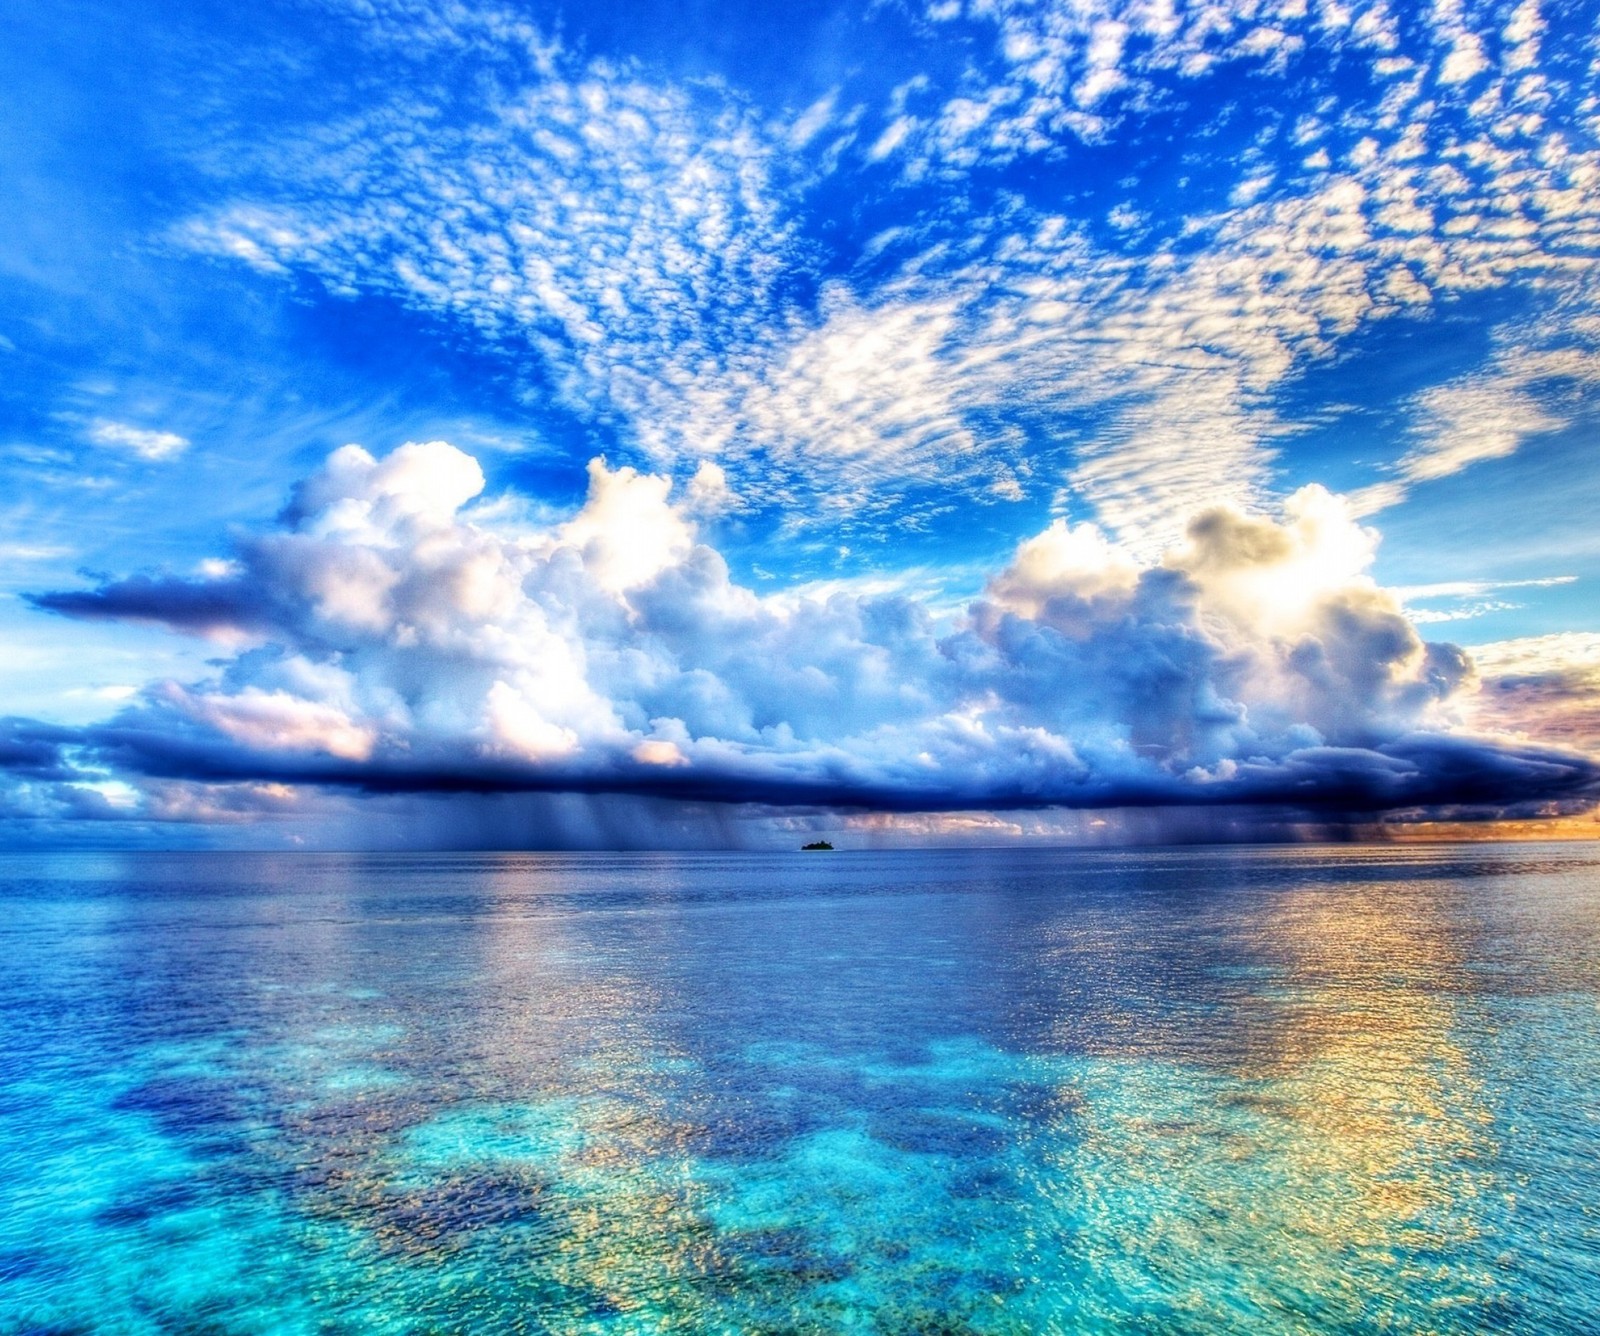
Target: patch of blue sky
{"x": 1508, "y": 520}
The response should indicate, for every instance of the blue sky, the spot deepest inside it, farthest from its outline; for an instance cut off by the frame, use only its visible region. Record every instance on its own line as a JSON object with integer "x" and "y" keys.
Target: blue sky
{"x": 914, "y": 339}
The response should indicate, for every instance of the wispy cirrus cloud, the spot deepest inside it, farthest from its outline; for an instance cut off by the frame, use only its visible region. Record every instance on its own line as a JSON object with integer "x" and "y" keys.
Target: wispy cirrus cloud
{"x": 145, "y": 442}
{"x": 1464, "y": 600}
{"x": 1527, "y": 388}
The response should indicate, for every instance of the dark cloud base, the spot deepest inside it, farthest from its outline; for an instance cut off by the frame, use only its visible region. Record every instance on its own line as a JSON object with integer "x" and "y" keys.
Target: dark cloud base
{"x": 1433, "y": 775}
{"x": 179, "y": 605}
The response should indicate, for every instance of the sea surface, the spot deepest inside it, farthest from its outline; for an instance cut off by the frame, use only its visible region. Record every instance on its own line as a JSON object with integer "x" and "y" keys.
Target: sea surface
{"x": 1192, "y": 1091}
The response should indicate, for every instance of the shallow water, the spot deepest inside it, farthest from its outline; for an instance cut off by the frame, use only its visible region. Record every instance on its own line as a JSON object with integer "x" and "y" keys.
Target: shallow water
{"x": 1331, "y": 1090}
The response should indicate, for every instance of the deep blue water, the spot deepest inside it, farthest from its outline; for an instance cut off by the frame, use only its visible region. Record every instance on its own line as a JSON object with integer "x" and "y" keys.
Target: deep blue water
{"x": 1330, "y": 1090}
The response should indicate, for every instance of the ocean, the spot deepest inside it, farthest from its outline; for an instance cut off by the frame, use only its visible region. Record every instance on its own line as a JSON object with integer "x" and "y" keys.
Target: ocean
{"x": 990, "y": 1091}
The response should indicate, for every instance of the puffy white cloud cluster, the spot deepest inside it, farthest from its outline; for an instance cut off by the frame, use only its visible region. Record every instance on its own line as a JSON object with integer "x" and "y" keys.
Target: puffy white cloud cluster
{"x": 390, "y": 639}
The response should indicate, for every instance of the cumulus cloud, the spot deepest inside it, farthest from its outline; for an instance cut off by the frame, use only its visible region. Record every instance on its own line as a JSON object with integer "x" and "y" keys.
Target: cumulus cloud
{"x": 392, "y": 640}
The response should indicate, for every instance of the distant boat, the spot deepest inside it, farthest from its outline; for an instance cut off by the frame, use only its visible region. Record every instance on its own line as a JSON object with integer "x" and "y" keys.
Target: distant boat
{"x": 820, "y": 844}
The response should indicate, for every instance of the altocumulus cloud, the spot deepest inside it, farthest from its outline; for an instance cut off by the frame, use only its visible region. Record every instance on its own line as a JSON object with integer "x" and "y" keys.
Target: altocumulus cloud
{"x": 652, "y": 249}
{"x": 388, "y": 637}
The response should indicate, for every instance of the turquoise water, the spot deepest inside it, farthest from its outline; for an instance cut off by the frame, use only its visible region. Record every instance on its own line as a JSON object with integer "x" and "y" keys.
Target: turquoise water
{"x": 1331, "y": 1090}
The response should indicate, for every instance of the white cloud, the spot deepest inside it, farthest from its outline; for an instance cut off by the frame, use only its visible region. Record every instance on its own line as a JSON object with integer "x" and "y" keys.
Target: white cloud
{"x": 708, "y": 491}
{"x": 32, "y": 552}
{"x": 1475, "y": 588}
{"x": 1257, "y": 656}
{"x": 890, "y": 139}
{"x": 627, "y": 532}
{"x": 624, "y": 234}
{"x": 277, "y": 721}
{"x": 142, "y": 441}
{"x": 641, "y": 242}
{"x": 1064, "y": 562}
{"x": 517, "y": 723}
{"x": 659, "y": 751}
{"x": 1470, "y": 421}
{"x": 1490, "y": 413}
{"x": 811, "y": 122}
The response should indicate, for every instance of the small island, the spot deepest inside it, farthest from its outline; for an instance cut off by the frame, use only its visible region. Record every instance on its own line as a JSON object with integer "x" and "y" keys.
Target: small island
{"x": 819, "y": 844}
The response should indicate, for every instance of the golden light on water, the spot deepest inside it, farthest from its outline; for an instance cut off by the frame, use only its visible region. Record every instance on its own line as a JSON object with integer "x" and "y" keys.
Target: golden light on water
{"x": 1290, "y": 1178}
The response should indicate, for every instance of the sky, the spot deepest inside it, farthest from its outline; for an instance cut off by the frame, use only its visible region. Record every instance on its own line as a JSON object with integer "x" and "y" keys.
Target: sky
{"x": 698, "y": 424}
